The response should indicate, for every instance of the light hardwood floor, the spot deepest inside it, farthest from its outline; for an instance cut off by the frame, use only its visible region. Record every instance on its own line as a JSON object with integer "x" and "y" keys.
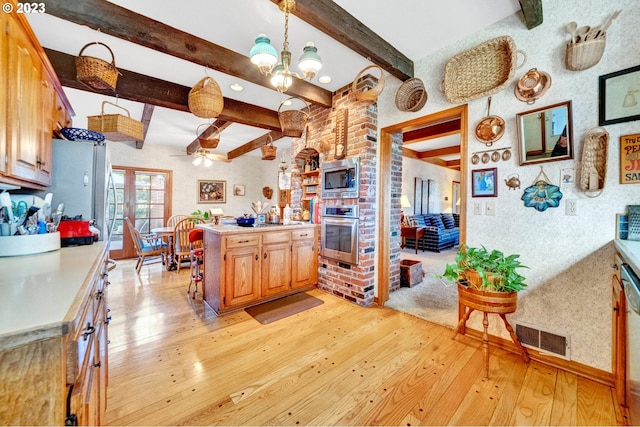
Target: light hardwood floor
{"x": 173, "y": 362}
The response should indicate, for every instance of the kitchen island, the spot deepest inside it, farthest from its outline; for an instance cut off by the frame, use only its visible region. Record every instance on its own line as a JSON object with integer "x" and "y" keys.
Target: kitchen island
{"x": 246, "y": 266}
{"x": 53, "y": 337}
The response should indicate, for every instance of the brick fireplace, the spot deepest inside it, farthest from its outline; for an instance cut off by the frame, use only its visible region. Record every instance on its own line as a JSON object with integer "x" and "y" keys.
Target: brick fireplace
{"x": 354, "y": 283}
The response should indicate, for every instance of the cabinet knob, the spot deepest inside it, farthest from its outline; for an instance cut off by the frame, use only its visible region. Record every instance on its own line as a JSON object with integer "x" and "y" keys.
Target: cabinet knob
{"x": 256, "y": 257}
{"x": 265, "y": 255}
{"x": 90, "y": 330}
{"x": 614, "y": 266}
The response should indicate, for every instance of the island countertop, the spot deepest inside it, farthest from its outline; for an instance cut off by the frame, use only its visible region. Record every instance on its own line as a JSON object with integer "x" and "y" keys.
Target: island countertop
{"x": 40, "y": 293}
{"x": 236, "y": 229}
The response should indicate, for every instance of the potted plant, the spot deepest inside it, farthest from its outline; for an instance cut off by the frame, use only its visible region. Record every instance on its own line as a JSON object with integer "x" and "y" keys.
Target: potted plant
{"x": 488, "y": 282}
{"x": 200, "y": 214}
{"x": 486, "y": 270}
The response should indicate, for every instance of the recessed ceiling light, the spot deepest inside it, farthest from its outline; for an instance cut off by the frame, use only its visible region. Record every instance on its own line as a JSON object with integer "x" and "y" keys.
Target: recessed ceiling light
{"x": 236, "y": 87}
{"x": 324, "y": 79}
{"x": 286, "y": 102}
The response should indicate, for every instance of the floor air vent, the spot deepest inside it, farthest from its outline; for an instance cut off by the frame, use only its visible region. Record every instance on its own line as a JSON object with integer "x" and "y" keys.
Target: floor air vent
{"x": 545, "y": 341}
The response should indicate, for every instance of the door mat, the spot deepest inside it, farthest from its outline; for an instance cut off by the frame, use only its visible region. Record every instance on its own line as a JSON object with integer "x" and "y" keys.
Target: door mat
{"x": 283, "y": 307}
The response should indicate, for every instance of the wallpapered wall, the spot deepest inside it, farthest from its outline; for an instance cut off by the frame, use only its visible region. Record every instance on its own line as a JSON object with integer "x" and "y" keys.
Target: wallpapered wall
{"x": 569, "y": 256}
{"x": 247, "y": 170}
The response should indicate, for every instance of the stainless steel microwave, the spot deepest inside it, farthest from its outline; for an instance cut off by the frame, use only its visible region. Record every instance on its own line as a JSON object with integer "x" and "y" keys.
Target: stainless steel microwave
{"x": 341, "y": 179}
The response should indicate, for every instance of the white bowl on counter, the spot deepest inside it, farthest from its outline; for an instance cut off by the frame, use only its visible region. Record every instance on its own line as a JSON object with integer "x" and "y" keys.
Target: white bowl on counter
{"x": 29, "y": 244}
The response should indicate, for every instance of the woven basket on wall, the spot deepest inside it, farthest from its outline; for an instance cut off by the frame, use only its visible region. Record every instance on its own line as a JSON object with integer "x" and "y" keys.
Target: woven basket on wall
{"x": 293, "y": 122}
{"x": 481, "y": 71}
{"x": 411, "y": 95}
{"x": 593, "y": 169}
{"x": 116, "y": 127}
{"x": 205, "y": 99}
{"x": 585, "y": 54}
{"x": 371, "y": 95}
{"x": 95, "y": 72}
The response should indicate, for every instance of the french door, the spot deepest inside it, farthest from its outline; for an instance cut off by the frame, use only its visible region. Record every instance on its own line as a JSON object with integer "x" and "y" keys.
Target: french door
{"x": 142, "y": 195}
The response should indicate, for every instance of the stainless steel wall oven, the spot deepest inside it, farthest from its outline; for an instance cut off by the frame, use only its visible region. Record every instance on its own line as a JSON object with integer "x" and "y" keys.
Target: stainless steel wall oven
{"x": 339, "y": 231}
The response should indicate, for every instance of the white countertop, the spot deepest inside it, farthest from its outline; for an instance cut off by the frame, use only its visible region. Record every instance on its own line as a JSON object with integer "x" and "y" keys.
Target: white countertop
{"x": 235, "y": 229}
{"x": 38, "y": 291}
{"x": 630, "y": 251}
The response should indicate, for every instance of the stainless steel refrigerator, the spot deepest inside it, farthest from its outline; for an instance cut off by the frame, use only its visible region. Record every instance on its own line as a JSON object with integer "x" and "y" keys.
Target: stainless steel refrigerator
{"x": 82, "y": 180}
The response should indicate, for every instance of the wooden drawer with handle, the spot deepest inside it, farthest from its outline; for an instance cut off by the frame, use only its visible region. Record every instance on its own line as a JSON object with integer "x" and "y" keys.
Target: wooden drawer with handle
{"x": 243, "y": 240}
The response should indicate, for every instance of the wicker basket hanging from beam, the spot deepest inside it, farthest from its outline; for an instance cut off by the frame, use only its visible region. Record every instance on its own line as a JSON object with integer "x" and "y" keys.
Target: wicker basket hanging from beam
{"x": 95, "y": 72}
{"x": 116, "y": 127}
{"x": 481, "y": 71}
{"x": 293, "y": 122}
{"x": 209, "y": 137}
{"x": 269, "y": 150}
{"x": 370, "y": 95}
{"x": 205, "y": 99}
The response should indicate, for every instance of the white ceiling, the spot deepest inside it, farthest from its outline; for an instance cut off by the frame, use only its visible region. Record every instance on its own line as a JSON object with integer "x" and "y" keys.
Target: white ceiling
{"x": 414, "y": 27}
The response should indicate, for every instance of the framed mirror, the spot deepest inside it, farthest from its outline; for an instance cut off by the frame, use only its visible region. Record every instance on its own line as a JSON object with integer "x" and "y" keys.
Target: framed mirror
{"x": 545, "y": 134}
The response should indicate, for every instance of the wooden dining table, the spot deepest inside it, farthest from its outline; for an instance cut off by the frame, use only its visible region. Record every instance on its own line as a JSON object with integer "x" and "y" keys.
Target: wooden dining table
{"x": 167, "y": 234}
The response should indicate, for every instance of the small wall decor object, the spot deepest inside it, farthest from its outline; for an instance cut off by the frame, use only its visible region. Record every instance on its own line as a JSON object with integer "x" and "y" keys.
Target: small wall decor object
{"x": 567, "y": 177}
{"x": 630, "y": 159}
{"x": 212, "y": 191}
{"x": 483, "y": 182}
{"x": 587, "y": 44}
{"x": 238, "y": 190}
{"x": 411, "y": 95}
{"x": 491, "y": 128}
{"x": 342, "y": 125}
{"x": 532, "y": 86}
{"x": 95, "y": 72}
{"x": 619, "y": 96}
{"x": 542, "y": 195}
{"x": 593, "y": 169}
{"x": 513, "y": 181}
{"x": 368, "y": 96}
{"x": 205, "y": 99}
{"x": 267, "y": 192}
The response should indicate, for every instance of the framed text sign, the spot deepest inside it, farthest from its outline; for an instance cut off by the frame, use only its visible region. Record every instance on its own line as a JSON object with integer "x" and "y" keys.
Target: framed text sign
{"x": 630, "y": 159}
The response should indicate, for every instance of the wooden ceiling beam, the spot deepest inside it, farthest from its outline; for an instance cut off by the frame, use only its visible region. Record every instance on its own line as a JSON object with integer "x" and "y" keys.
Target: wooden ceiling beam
{"x": 434, "y": 131}
{"x": 328, "y": 17}
{"x": 149, "y": 90}
{"x": 147, "y": 112}
{"x": 252, "y": 145}
{"x": 438, "y": 152}
{"x": 217, "y": 126}
{"x": 109, "y": 18}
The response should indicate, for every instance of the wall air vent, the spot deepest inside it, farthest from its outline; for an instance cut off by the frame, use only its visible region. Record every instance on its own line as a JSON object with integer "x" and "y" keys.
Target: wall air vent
{"x": 546, "y": 341}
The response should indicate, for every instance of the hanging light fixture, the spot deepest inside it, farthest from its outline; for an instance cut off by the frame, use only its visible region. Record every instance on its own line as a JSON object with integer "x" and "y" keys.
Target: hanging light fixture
{"x": 265, "y": 56}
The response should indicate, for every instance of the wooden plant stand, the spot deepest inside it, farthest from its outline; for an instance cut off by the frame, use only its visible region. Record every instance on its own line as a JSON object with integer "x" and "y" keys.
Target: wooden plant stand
{"x": 500, "y": 303}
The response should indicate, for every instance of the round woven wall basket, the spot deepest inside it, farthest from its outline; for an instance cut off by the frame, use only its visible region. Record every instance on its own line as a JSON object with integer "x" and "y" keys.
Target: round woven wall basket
{"x": 205, "y": 99}
{"x": 411, "y": 95}
{"x": 371, "y": 95}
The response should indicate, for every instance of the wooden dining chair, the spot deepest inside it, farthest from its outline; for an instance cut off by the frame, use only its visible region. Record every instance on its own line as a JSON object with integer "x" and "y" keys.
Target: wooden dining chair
{"x": 181, "y": 248}
{"x": 147, "y": 246}
{"x": 174, "y": 219}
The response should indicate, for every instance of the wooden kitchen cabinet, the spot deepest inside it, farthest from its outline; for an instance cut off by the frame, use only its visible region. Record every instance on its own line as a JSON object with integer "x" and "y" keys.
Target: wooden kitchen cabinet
{"x": 304, "y": 258}
{"x": 276, "y": 263}
{"x": 34, "y": 105}
{"x": 248, "y": 268}
{"x": 62, "y": 377}
{"x": 619, "y": 332}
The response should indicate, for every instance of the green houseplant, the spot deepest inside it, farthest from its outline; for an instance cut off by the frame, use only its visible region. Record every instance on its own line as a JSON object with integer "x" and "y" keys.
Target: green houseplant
{"x": 487, "y": 270}
{"x": 200, "y": 214}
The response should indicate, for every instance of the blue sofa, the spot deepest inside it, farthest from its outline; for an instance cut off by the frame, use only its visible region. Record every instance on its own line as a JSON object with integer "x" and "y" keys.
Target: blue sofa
{"x": 442, "y": 231}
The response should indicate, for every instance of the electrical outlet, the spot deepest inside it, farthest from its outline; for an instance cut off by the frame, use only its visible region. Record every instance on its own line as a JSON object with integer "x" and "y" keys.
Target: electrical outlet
{"x": 571, "y": 207}
{"x": 478, "y": 208}
{"x": 491, "y": 208}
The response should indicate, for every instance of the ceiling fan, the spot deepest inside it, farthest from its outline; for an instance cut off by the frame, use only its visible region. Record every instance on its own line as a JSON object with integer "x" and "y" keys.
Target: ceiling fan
{"x": 205, "y": 156}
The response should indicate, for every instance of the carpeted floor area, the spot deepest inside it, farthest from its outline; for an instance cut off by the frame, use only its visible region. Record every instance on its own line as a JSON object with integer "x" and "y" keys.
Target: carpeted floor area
{"x": 434, "y": 299}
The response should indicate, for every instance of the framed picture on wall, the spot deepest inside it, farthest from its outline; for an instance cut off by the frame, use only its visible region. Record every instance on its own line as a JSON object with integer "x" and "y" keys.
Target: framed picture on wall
{"x": 483, "y": 182}
{"x": 619, "y": 96}
{"x": 210, "y": 191}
